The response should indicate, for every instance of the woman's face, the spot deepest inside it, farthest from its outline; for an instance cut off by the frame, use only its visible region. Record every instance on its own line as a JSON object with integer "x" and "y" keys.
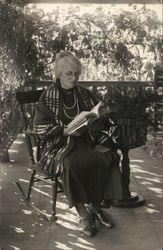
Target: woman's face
{"x": 69, "y": 76}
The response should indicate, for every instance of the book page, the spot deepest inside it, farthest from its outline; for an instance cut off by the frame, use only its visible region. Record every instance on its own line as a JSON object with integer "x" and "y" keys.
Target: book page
{"x": 95, "y": 110}
{"x": 79, "y": 119}
{"x": 83, "y": 118}
{"x": 77, "y": 130}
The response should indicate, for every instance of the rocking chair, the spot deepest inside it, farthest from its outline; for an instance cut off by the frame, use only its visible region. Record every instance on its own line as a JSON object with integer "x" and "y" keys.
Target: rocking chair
{"x": 27, "y": 101}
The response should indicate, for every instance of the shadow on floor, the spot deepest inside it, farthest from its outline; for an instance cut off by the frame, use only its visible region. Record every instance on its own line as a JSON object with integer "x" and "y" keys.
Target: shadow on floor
{"x": 135, "y": 229}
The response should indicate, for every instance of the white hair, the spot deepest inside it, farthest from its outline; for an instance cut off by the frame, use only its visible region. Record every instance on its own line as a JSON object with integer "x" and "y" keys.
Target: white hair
{"x": 63, "y": 58}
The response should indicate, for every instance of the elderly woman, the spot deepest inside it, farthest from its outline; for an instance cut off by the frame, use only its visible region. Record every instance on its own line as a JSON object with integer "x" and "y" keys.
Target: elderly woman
{"x": 90, "y": 170}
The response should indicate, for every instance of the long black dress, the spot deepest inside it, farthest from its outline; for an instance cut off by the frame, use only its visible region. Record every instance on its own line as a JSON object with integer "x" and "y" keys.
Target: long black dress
{"x": 91, "y": 173}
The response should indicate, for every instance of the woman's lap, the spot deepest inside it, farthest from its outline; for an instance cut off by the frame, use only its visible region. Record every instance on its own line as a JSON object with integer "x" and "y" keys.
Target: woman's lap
{"x": 86, "y": 176}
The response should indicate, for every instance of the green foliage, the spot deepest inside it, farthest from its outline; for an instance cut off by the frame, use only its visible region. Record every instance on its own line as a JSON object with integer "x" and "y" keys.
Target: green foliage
{"x": 115, "y": 46}
{"x": 11, "y": 45}
{"x": 11, "y": 69}
{"x": 132, "y": 112}
{"x": 128, "y": 101}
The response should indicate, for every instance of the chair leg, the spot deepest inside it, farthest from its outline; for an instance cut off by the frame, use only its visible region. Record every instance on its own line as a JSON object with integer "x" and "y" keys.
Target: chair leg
{"x": 32, "y": 206}
{"x": 31, "y": 184}
{"x": 54, "y": 197}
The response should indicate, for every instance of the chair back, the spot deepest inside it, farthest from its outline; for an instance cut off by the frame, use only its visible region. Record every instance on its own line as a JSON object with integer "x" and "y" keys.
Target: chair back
{"x": 27, "y": 101}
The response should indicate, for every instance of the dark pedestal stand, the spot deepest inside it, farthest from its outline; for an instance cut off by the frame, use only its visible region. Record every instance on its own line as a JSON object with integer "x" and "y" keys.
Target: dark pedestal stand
{"x": 129, "y": 199}
{"x": 5, "y": 157}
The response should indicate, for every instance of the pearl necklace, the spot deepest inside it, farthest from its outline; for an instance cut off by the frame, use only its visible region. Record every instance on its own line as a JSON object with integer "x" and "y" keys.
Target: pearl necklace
{"x": 76, "y": 103}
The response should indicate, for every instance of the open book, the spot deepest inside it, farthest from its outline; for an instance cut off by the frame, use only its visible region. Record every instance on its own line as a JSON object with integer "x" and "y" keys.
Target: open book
{"x": 83, "y": 119}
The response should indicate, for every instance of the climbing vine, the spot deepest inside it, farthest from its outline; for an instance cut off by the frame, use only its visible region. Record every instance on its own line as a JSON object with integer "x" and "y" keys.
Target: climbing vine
{"x": 11, "y": 69}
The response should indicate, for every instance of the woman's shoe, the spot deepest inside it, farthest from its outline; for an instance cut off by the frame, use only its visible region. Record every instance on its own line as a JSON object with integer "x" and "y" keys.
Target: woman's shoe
{"x": 92, "y": 218}
{"x": 86, "y": 227}
{"x": 104, "y": 220}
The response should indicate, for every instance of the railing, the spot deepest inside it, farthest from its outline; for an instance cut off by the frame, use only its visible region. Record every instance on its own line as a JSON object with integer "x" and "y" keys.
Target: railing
{"x": 9, "y": 131}
{"x": 104, "y": 87}
{"x": 43, "y": 83}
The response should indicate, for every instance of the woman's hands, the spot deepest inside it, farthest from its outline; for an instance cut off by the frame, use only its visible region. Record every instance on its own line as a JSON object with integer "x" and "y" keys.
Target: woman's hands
{"x": 65, "y": 131}
{"x": 96, "y": 125}
{"x": 92, "y": 126}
